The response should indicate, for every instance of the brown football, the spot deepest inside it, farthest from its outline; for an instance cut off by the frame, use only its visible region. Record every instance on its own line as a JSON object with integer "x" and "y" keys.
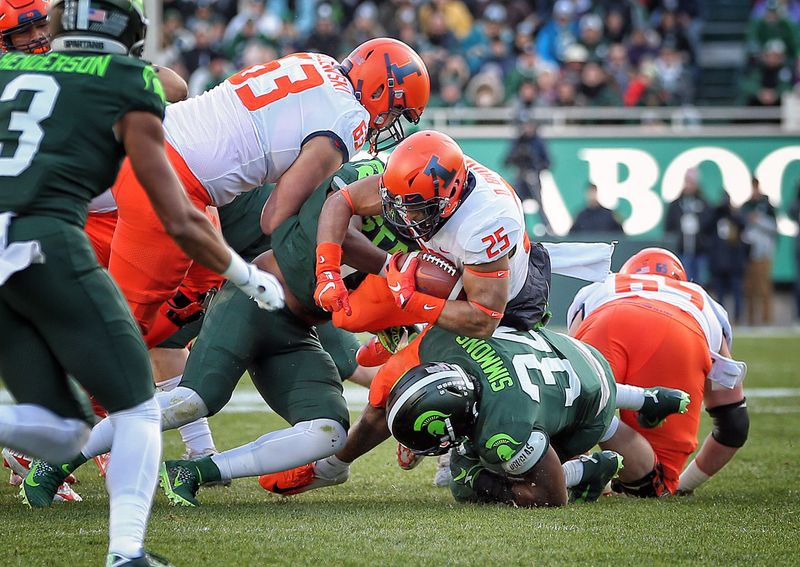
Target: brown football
{"x": 436, "y": 276}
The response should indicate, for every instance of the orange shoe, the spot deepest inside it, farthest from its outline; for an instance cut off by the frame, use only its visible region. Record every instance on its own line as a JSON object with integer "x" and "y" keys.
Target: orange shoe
{"x": 299, "y": 479}
{"x": 102, "y": 463}
{"x": 406, "y": 458}
{"x": 373, "y": 353}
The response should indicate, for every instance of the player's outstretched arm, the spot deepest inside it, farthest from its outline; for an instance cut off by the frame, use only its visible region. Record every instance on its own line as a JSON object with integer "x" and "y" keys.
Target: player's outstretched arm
{"x": 544, "y": 485}
{"x": 319, "y": 158}
{"x": 143, "y": 138}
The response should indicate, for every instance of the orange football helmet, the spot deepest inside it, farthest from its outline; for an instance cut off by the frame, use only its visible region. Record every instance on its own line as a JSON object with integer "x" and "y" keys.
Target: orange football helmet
{"x": 657, "y": 262}
{"x": 390, "y": 80}
{"x": 423, "y": 183}
{"x": 20, "y": 16}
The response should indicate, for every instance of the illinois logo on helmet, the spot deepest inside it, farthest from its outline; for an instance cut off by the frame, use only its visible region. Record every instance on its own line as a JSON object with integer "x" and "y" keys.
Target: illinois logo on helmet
{"x": 423, "y": 183}
{"x": 390, "y": 80}
{"x": 24, "y": 18}
{"x": 657, "y": 262}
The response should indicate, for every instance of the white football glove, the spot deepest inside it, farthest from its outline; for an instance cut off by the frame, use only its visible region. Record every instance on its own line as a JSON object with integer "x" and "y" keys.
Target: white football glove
{"x": 263, "y": 288}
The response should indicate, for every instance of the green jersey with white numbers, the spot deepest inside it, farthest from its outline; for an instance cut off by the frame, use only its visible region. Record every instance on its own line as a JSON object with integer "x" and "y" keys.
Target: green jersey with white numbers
{"x": 536, "y": 388}
{"x": 58, "y": 149}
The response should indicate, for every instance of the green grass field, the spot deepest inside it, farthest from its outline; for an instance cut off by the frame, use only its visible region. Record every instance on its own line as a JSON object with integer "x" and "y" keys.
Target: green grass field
{"x": 748, "y": 514}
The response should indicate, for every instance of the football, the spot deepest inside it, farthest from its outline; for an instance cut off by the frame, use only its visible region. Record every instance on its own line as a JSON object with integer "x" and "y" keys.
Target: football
{"x": 436, "y": 275}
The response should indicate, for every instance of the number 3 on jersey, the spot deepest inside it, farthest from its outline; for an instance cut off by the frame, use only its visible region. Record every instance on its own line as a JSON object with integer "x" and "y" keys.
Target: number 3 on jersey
{"x": 27, "y": 122}
{"x": 261, "y": 85}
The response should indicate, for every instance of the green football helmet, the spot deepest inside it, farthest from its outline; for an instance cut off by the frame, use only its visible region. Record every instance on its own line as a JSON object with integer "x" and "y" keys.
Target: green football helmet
{"x": 101, "y": 26}
{"x": 432, "y": 407}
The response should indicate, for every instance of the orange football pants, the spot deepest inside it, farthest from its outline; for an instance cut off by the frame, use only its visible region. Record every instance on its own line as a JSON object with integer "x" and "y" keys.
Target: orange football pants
{"x": 145, "y": 262}
{"x": 652, "y": 343}
{"x": 373, "y": 309}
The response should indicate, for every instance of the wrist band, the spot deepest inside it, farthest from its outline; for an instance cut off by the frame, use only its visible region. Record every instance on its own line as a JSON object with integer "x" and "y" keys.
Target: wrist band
{"x": 490, "y": 312}
{"x": 497, "y": 274}
{"x": 237, "y": 271}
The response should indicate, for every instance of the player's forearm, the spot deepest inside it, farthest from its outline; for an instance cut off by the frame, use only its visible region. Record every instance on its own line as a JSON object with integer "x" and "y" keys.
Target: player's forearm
{"x": 465, "y": 319}
{"x": 200, "y": 240}
{"x": 334, "y": 220}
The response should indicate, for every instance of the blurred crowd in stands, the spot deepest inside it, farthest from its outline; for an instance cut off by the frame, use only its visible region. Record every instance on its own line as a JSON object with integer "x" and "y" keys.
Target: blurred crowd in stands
{"x": 479, "y": 53}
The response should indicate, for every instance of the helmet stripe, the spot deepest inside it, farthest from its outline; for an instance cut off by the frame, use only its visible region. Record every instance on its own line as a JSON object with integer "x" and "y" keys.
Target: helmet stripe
{"x": 416, "y": 387}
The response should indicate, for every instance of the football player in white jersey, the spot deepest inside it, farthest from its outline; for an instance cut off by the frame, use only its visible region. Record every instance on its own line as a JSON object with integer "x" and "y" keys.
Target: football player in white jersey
{"x": 453, "y": 206}
{"x": 656, "y": 328}
{"x": 293, "y": 121}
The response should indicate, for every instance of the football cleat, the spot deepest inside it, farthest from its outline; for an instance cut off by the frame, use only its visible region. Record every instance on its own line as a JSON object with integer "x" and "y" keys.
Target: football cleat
{"x": 598, "y": 470}
{"x": 14, "y": 479}
{"x": 659, "y": 403}
{"x": 20, "y": 465}
{"x": 41, "y": 484}
{"x": 180, "y": 481}
{"x": 146, "y": 560}
{"x": 372, "y": 353}
{"x": 102, "y": 463}
{"x": 443, "y": 475}
{"x": 189, "y": 455}
{"x": 66, "y": 493}
{"x": 406, "y": 458}
{"x": 299, "y": 479}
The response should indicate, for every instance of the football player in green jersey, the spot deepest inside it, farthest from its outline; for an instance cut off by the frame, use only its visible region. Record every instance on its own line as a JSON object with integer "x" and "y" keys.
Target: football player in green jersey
{"x": 282, "y": 353}
{"x": 522, "y": 403}
{"x": 66, "y": 120}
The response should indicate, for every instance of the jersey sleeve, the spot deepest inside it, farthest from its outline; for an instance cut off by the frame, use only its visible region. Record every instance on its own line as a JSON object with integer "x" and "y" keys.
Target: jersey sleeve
{"x": 515, "y": 453}
{"x": 491, "y": 240}
{"x": 351, "y": 130}
{"x": 137, "y": 86}
{"x": 579, "y": 302}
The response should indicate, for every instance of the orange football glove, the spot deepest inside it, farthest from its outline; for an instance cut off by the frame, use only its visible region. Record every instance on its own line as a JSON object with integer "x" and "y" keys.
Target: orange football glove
{"x": 402, "y": 283}
{"x": 331, "y": 293}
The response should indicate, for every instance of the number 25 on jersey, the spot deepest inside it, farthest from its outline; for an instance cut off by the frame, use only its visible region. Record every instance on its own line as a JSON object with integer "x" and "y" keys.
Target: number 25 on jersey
{"x": 261, "y": 85}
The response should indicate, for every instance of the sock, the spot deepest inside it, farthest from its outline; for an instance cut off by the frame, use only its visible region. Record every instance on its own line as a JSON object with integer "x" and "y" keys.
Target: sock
{"x": 99, "y": 439}
{"x": 196, "y": 435}
{"x": 132, "y": 476}
{"x": 281, "y": 450}
{"x": 692, "y": 477}
{"x": 330, "y": 467}
{"x": 38, "y": 432}
{"x": 629, "y": 397}
{"x": 573, "y": 472}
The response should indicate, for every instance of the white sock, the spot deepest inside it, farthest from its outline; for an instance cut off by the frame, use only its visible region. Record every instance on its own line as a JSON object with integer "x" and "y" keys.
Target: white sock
{"x": 132, "y": 476}
{"x": 629, "y": 397}
{"x": 99, "y": 439}
{"x": 281, "y": 450}
{"x": 196, "y": 435}
{"x": 36, "y": 431}
{"x": 573, "y": 472}
{"x": 692, "y": 477}
{"x": 330, "y": 467}
{"x": 179, "y": 407}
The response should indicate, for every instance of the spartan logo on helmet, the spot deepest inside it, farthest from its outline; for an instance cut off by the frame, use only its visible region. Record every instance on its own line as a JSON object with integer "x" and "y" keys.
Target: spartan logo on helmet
{"x": 434, "y": 422}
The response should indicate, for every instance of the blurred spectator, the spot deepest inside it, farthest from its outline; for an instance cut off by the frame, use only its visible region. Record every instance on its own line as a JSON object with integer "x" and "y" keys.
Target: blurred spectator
{"x": 591, "y": 37}
{"x": 452, "y": 78}
{"x": 594, "y": 88}
{"x": 760, "y": 233}
{"x": 673, "y": 77}
{"x": 203, "y": 50}
{"x": 490, "y": 29}
{"x": 685, "y": 216}
{"x": 485, "y": 90}
{"x": 326, "y": 37}
{"x": 673, "y": 34}
{"x": 528, "y": 154}
{"x": 302, "y": 14}
{"x": 246, "y": 35}
{"x": 642, "y": 46}
{"x": 547, "y": 84}
{"x": 616, "y": 30}
{"x": 789, "y": 8}
{"x": 365, "y": 26}
{"x": 208, "y": 77}
{"x": 618, "y": 67}
{"x": 528, "y": 67}
{"x": 565, "y": 94}
{"x": 727, "y": 253}
{"x": 456, "y": 15}
{"x": 594, "y": 217}
{"x": 794, "y": 214}
{"x": 560, "y": 32}
{"x": 769, "y": 79}
{"x": 772, "y": 26}
{"x": 574, "y": 58}
{"x": 525, "y": 102}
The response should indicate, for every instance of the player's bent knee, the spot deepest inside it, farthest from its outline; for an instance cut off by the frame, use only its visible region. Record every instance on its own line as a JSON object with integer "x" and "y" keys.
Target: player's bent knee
{"x": 180, "y": 406}
{"x": 731, "y": 423}
{"x": 326, "y": 435}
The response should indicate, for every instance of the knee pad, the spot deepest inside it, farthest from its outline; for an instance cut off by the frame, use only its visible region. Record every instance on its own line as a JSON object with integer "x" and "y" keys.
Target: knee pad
{"x": 650, "y": 485}
{"x": 731, "y": 423}
{"x": 329, "y": 435}
{"x": 179, "y": 407}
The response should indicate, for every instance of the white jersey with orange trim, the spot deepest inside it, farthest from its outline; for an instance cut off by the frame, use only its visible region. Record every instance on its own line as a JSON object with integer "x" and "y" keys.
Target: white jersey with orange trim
{"x": 687, "y": 296}
{"x": 248, "y": 130}
{"x": 486, "y": 225}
